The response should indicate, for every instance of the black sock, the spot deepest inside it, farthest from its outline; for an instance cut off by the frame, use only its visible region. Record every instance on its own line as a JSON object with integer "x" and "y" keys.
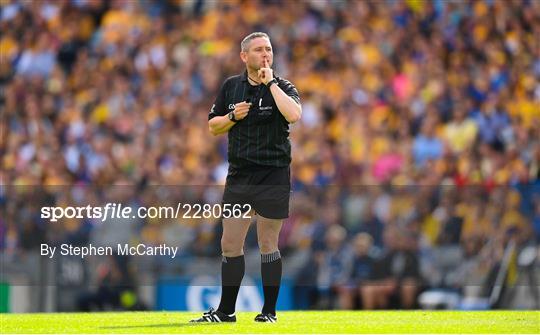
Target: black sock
{"x": 271, "y": 278}
{"x": 232, "y": 272}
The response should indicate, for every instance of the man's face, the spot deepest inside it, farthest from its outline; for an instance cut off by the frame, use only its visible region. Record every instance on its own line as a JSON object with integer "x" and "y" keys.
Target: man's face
{"x": 258, "y": 51}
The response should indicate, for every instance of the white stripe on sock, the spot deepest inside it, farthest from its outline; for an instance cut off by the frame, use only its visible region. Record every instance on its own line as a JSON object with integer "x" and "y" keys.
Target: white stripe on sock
{"x": 272, "y": 257}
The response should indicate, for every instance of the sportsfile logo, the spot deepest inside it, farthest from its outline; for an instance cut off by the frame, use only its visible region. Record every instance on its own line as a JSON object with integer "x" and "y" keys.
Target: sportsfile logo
{"x": 109, "y": 211}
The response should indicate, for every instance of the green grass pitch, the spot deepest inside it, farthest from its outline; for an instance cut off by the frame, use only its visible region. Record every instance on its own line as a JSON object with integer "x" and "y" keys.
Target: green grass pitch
{"x": 299, "y": 322}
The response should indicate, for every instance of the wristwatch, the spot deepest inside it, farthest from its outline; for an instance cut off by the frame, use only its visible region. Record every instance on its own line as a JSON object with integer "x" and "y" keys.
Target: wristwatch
{"x": 231, "y": 117}
{"x": 271, "y": 82}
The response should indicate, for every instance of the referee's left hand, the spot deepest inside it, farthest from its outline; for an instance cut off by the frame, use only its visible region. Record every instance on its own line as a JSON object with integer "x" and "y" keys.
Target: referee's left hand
{"x": 265, "y": 73}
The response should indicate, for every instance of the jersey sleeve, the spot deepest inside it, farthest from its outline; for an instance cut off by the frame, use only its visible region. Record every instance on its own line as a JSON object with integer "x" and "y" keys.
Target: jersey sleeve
{"x": 218, "y": 108}
{"x": 290, "y": 90}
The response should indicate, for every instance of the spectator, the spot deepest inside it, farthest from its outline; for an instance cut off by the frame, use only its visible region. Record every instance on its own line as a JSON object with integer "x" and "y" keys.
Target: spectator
{"x": 114, "y": 283}
{"x": 332, "y": 266}
{"x": 461, "y": 132}
{"x": 360, "y": 270}
{"x": 426, "y": 145}
{"x": 396, "y": 274}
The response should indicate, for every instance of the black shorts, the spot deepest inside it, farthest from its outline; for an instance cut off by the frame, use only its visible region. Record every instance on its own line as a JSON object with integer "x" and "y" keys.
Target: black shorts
{"x": 266, "y": 189}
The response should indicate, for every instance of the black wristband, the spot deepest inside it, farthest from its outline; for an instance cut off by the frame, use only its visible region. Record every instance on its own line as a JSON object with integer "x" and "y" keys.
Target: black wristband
{"x": 271, "y": 82}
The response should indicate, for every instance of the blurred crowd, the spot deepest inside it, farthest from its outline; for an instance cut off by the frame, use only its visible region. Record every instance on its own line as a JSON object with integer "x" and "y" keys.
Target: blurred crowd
{"x": 420, "y": 125}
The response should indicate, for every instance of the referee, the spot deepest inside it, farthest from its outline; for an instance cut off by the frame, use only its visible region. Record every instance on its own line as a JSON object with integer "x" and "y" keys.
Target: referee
{"x": 255, "y": 108}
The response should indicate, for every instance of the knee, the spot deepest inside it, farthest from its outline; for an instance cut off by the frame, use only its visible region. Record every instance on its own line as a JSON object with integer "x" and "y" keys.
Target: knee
{"x": 410, "y": 283}
{"x": 409, "y": 287}
{"x": 231, "y": 247}
{"x": 268, "y": 244}
{"x": 366, "y": 291}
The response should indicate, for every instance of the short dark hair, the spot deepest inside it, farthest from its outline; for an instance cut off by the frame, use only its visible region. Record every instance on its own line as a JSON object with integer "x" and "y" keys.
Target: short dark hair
{"x": 245, "y": 42}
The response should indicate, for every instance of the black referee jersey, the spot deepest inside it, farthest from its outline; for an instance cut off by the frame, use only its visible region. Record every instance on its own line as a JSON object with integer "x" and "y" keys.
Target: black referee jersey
{"x": 262, "y": 137}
